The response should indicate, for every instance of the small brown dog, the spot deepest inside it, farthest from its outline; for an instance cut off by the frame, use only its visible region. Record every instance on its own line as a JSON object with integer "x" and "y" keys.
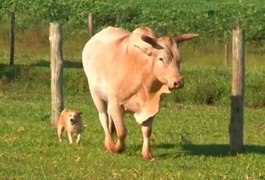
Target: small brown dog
{"x": 70, "y": 120}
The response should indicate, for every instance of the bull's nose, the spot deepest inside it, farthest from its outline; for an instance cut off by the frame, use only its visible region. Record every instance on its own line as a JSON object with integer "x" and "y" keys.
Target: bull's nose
{"x": 179, "y": 83}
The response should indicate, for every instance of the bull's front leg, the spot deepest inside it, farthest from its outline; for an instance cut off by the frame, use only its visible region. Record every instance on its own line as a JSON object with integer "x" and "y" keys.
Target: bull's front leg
{"x": 111, "y": 126}
{"x": 116, "y": 113}
{"x": 103, "y": 117}
{"x": 108, "y": 142}
{"x": 147, "y": 132}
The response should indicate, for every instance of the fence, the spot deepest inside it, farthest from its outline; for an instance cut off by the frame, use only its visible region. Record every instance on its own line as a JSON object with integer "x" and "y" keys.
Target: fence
{"x": 56, "y": 50}
{"x": 12, "y": 38}
{"x": 237, "y": 97}
{"x": 57, "y": 103}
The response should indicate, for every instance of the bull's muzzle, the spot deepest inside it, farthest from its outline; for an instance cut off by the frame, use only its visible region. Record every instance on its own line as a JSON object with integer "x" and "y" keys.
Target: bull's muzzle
{"x": 177, "y": 83}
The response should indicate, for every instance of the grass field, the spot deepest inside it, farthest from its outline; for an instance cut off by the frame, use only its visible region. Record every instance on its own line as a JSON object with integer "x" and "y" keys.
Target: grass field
{"x": 189, "y": 141}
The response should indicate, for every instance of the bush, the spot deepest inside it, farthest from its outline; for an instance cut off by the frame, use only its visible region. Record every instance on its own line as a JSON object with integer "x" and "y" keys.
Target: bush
{"x": 204, "y": 86}
{"x": 208, "y": 18}
{"x": 213, "y": 86}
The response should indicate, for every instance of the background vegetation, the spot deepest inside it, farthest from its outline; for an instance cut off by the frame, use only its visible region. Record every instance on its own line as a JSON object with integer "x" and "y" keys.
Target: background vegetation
{"x": 203, "y": 57}
{"x": 203, "y": 85}
{"x": 210, "y": 18}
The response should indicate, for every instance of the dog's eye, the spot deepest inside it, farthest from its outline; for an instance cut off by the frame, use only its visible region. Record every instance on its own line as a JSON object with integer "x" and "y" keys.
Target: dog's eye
{"x": 161, "y": 59}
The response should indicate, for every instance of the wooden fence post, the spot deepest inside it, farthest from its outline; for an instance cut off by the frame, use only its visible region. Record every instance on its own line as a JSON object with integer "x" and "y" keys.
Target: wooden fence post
{"x": 90, "y": 24}
{"x": 226, "y": 55}
{"x": 237, "y": 98}
{"x": 12, "y": 38}
{"x": 57, "y": 103}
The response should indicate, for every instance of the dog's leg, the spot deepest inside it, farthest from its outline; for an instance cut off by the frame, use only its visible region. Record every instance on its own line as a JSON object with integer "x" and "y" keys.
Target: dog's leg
{"x": 78, "y": 139}
{"x": 59, "y": 132}
{"x": 70, "y": 137}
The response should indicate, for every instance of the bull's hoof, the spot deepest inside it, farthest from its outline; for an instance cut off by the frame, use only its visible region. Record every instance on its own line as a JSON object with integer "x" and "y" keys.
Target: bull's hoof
{"x": 147, "y": 155}
{"x": 119, "y": 147}
{"x": 110, "y": 147}
{"x": 114, "y": 148}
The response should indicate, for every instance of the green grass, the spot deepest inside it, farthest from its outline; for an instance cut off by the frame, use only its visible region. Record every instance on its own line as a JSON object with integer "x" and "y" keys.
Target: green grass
{"x": 189, "y": 141}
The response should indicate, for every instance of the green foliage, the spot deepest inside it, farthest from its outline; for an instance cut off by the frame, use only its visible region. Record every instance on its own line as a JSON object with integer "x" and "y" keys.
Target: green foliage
{"x": 255, "y": 87}
{"x": 208, "y": 18}
{"x": 203, "y": 85}
{"x": 210, "y": 85}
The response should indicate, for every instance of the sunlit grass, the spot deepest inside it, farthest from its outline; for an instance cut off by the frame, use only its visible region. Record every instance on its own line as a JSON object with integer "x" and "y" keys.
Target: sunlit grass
{"x": 189, "y": 141}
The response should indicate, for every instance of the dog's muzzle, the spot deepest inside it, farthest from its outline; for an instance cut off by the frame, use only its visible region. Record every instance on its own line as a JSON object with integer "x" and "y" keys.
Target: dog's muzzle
{"x": 72, "y": 121}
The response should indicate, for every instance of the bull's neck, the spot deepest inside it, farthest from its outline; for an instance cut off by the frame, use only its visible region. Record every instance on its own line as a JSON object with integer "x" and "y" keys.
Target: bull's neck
{"x": 150, "y": 82}
{"x": 145, "y": 67}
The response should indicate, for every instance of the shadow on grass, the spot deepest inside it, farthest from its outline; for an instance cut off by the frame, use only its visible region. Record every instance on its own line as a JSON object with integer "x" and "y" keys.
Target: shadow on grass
{"x": 12, "y": 72}
{"x": 220, "y": 149}
{"x": 16, "y": 70}
{"x": 23, "y": 71}
{"x": 67, "y": 64}
{"x": 205, "y": 149}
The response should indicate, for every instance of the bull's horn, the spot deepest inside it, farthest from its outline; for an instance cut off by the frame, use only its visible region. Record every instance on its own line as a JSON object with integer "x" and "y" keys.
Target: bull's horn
{"x": 185, "y": 37}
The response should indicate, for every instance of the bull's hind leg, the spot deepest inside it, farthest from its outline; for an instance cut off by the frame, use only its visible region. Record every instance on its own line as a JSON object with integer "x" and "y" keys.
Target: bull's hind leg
{"x": 103, "y": 117}
{"x": 116, "y": 114}
{"x": 147, "y": 131}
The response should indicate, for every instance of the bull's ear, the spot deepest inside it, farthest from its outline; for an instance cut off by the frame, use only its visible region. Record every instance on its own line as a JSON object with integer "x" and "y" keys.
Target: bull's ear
{"x": 144, "y": 44}
{"x": 151, "y": 41}
{"x": 185, "y": 37}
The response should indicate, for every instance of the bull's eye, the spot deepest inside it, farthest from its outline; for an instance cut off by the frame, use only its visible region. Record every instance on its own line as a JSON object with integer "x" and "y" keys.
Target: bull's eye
{"x": 160, "y": 59}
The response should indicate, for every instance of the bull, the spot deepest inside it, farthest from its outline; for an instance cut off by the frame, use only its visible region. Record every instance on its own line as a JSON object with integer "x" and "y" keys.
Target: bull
{"x": 128, "y": 72}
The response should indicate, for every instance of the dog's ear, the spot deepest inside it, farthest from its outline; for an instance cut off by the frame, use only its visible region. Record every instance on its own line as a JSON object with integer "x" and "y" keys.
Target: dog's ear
{"x": 80, "y": 113}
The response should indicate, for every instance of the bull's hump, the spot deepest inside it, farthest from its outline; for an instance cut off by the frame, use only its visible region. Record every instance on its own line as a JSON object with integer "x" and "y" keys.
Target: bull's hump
{"x": 111, "y": 34}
